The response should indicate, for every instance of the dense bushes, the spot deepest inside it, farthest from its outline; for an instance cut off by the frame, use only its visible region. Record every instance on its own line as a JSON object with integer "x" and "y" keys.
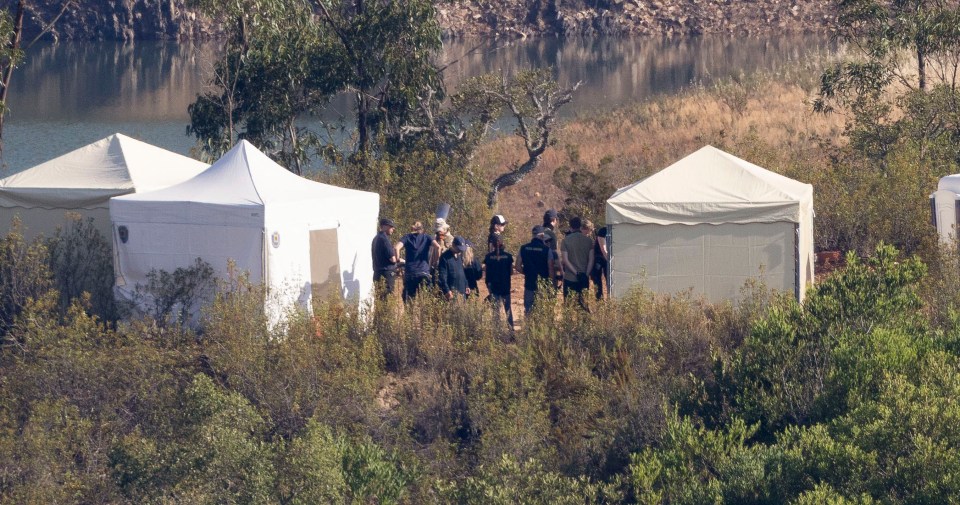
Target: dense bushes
{"x": 649, "y": 399}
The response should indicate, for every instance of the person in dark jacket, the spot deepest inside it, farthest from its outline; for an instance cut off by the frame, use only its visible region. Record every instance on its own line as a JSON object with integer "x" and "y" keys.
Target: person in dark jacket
{"x": 550, "y": 221}
{"x": 535, "y": 262}
{"x": 451, "y": 278}
{"x": 384, "y": 259}
{"x": 499, "y": 264}
{"x": 600, "y": 274}
{"x": 416, "y": 271}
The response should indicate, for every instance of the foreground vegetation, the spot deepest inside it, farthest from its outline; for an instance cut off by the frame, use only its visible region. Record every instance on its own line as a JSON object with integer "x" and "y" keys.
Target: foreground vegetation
{"x": 649, "y": 399}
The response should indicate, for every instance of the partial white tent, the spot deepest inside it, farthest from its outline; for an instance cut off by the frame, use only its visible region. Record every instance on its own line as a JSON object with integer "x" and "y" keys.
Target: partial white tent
{"x": 297, "y": 237}
{"x": 710, "y": 222}
{"x": 83, "y": 181}
{"x": 945, "y": 206}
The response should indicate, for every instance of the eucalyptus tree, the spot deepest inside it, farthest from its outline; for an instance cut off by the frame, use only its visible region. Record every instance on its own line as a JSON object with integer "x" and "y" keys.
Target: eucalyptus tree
{"x": 276, "y": 66}
{"x": 901, "y": 81}
{"x": 287, "y": 58}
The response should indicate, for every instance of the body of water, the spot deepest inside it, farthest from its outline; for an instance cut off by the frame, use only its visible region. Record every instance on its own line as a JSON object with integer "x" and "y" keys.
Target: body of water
{"x": 68, "y": 95}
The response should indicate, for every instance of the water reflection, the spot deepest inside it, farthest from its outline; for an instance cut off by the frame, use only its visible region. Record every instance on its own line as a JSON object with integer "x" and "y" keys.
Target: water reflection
{"x": 65, "y": 96}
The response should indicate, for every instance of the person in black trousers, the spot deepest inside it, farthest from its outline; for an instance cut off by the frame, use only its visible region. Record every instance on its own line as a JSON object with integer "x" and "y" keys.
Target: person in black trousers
{"x": 384, "y": 259}
{"x": 535, "y": 262}
{"x": 499, "y": 265}
{"x": 600, "y": 274}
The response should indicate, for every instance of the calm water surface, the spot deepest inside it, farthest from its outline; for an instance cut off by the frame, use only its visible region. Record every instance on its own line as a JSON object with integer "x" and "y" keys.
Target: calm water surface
{"x": 68, "y": 95}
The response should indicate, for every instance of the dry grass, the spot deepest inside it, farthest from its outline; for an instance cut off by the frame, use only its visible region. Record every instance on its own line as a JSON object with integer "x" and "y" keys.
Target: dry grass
{"x": 738, "y": 115}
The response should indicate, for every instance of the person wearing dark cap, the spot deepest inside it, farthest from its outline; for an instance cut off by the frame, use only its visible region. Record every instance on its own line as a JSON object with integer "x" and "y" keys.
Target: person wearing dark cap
{"x": 535, "y": 262}
{"x": 499, "y": 264}
{"x": 600, "y": 274}
{"x": 577, "y": 254}
{"x": 384, "y": 259}
{"x": 550, "y": 220}
{"x": 416, "y": 271}
{"x": 451, "y": 278}
{"x": 497, "y": 224}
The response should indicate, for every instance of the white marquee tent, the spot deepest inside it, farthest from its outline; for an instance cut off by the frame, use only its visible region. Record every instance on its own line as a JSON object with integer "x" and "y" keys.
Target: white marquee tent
{"x": 82, "y": 182}
{"x": 945, "y": 205}
{"x": 710, "y": 222}
{"x": 296, "y": 236}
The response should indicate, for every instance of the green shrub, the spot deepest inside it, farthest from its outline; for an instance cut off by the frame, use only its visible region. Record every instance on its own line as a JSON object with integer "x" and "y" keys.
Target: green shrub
{"x": 24, "y": 274}
{"x": 81, "y": 260}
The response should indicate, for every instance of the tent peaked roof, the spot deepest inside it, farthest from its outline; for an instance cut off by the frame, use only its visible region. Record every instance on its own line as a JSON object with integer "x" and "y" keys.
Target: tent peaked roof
{"x": 245, "y": 176}
{"x": 89, "y": 175}
{"x": 711, "y": 186}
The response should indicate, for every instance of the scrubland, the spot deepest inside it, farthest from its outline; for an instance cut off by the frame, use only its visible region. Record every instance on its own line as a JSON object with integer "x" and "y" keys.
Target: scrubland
{"x": 653, "y": 398}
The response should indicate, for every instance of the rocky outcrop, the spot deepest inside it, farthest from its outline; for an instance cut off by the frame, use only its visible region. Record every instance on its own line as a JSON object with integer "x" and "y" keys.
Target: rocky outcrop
{"x": 117, "y": 20}
{"x": 170, "y": 19}
{"x": 636, "y": 17}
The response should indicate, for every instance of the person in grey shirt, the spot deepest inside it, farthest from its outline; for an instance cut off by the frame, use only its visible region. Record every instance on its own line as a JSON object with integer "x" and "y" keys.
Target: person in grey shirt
{"x": 576, "y": 252}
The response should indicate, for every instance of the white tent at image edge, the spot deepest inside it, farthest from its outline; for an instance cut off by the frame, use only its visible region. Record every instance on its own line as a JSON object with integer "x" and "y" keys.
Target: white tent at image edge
{"x": 710, "y": 222}
{"x": 295, "y": 236}
{"x": 83, "y": 181}
{"x": 945, "y": 206}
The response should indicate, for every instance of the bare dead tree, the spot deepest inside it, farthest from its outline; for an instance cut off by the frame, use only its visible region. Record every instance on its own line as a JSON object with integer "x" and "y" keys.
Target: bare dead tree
{"x": 533, "y": 99}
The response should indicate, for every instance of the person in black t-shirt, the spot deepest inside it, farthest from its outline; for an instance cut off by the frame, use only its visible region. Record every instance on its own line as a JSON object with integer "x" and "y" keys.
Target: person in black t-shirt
{"x": 535, "y": 262}
{"x": 499, "y": 265}
{"x": 384, "y": 259}
{"x": 416, "y": 270}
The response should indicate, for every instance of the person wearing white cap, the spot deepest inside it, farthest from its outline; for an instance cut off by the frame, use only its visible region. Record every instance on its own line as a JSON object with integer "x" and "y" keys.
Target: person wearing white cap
{"x": 497, "y": 224}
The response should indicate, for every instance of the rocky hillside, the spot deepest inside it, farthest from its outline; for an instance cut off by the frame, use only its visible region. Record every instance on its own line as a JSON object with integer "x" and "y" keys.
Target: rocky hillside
{"x": 635, "y": 17}
{"x": 170, "y": 19}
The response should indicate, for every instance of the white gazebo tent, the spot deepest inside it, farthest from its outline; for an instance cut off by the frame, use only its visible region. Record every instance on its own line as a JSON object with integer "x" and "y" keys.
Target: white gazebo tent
{"x": 945, "y": 205}
{"x": 83, "y": 181}
{"x": 710, "y": 222}
{"x": 297, "y": 237}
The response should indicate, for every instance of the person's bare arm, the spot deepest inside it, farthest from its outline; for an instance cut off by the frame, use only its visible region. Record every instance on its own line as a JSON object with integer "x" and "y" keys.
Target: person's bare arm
{"x": 565, "y": 259}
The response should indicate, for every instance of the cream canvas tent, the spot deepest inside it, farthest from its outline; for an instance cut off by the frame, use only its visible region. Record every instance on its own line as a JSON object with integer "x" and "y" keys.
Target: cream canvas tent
{"x": 710, "y": 222}
{"x": 82, "y": 182}
{"x": 945, "y": 206}
{"x": 296, "y": 236}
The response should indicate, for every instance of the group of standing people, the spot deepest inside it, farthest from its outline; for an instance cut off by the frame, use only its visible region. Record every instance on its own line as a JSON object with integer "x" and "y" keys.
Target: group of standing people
{"x": 449, "y": 263}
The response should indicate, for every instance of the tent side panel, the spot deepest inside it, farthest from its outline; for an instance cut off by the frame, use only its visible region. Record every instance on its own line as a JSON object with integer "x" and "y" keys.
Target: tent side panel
{"x": 713, "y": 260}
{"x": 287, "y": 246}
{"x": 161, "y": 246}
{"x": 355, "y": 220}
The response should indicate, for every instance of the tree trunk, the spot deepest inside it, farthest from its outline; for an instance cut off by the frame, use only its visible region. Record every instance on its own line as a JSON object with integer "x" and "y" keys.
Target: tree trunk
{"x": 510, "y": 178}
{"x": 921, "y": 67}
{"x": 14, "y": 45}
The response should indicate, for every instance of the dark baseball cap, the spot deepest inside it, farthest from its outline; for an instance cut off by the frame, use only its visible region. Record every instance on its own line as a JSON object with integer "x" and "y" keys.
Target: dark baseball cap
{"x": 538, "y": 230}
{"x": 550, "y": 214}
{"x": 460, "y": 244}
{"x": 388, "y": 222}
